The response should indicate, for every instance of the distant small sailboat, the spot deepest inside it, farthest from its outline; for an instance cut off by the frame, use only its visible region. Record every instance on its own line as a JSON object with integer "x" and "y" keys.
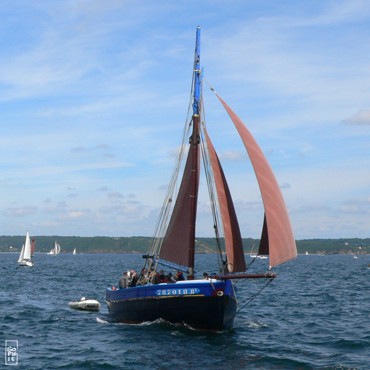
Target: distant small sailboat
{"x": 256, "y": 255}
{"x": 25, "y": 255}
{"x": 252, "y": 254}
{"x": 74, "y": 251}
{"x": 55, "y": 250}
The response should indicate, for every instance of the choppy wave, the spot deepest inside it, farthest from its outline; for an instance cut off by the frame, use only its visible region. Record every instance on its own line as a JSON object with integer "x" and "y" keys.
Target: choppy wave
{"x": 315, "y": 315}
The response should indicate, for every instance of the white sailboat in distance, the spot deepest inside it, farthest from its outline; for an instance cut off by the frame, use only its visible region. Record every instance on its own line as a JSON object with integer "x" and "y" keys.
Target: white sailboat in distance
{"x": 25, "y": 255}
{"x": 55, "y": 250}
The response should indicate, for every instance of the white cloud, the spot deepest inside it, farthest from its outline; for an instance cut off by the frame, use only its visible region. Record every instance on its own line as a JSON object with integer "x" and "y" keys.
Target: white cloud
{"x": 360, "y": 118}
{"x": 94, "y": 98}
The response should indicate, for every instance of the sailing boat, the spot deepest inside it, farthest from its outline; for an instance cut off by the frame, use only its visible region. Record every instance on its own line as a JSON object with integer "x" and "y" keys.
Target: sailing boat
{"x": 254, "y": 255}
{"x": 25, "y": 255}
{"x": 208, "y": 303}
{"x": 55, "y": 250}
{"x": 74, "y": 251}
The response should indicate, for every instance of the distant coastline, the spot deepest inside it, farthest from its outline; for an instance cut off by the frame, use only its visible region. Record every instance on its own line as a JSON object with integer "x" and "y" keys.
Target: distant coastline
{"x": 140, "y": 244}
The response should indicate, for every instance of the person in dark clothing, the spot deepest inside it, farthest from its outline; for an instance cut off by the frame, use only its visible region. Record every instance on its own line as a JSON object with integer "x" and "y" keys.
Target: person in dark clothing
{"x": 179, "y": 276}
{"x": 170, "y": 278}
{"x": 162, "y": 277}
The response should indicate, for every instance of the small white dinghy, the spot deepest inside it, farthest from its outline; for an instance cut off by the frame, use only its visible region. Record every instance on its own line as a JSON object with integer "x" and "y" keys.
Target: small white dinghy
{"x": 85, "y": 304}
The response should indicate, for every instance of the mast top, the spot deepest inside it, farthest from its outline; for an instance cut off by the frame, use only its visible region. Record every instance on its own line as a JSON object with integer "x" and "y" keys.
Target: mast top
{"x": 197, "y": 75}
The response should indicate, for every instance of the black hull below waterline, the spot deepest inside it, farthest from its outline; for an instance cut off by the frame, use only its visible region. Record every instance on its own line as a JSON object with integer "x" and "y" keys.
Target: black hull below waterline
{"x": 214, "y": 313}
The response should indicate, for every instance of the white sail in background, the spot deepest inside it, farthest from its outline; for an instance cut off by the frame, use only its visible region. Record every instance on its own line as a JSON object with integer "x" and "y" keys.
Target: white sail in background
{"x": 25, "y": 255}
{"x": 21, "y": 254}
{"x": 56, "y": 249}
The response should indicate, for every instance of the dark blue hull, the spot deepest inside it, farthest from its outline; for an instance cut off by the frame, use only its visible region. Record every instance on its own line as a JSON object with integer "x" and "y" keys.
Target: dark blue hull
{"x": 200, "y": 304}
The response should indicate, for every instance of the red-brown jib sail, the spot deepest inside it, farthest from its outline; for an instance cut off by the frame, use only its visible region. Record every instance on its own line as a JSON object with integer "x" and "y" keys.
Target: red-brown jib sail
{"x": 277, "y": 228}
{"x": 233, "y": 239}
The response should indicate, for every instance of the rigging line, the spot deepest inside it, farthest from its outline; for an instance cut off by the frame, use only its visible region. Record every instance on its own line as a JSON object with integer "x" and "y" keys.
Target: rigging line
{"x": 167, "y": 205}
{"x": 211, "y": 191}
{"x": 164, "y": 216}
{"x": 213, "y": 287}
{"x": 209, "y": 85}
{"x": 252, "y": 261}
{"x": 184, "y": 140}
{"x": 250, "y": 299}
{"x": 210, "y": 184}
{"x": 217, "y": 224}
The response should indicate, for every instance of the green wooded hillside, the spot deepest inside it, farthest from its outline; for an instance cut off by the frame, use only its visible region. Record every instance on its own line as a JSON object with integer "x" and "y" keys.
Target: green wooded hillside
{"x": 139, "y": 244}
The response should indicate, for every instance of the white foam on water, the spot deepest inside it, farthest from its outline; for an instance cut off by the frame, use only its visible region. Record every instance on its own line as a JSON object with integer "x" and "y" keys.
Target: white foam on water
{"x": 101, "y": 321}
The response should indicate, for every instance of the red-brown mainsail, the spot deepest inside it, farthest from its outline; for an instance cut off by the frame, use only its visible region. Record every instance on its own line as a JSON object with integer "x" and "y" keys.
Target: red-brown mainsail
{"x": 179, "y": 242}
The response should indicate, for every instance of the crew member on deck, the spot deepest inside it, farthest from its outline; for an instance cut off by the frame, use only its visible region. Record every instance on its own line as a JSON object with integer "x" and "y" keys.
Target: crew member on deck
{"x": 170, "y": 278}
{"x": 179, "y": 276}
{"x": 133, "y": 278}
{"x": 162, "y": 277}
{"x": 153, "y": 276}
{"x": 123, "y": 281}
{"x": 143, "y": 278}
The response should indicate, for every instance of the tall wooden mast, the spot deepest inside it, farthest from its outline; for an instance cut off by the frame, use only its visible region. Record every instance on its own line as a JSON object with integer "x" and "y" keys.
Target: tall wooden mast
{"x": 194, "y": 147}
{"x": 179, "y": 241}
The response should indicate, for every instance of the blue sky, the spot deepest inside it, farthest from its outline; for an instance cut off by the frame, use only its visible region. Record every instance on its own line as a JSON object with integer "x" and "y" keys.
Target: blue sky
{"x": 94, "y": 96}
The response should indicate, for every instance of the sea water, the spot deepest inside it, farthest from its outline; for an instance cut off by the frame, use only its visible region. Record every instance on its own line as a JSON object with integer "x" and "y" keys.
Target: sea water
{"x": 314, "y": 315}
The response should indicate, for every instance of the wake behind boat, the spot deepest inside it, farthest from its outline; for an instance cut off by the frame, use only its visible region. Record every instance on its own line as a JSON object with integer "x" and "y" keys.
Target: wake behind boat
{"x": 209, "y": 303}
